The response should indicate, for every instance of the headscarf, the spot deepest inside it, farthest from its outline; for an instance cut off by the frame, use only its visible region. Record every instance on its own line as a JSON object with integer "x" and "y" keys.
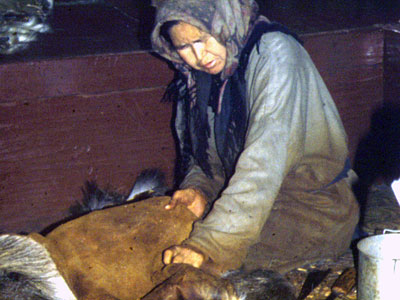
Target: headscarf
{"x": 229, "y": 21}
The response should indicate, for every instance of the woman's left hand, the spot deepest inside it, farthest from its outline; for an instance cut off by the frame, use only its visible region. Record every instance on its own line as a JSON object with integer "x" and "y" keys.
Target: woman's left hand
{"x": 183, "y": 255}
{"x": 192, "y": 198}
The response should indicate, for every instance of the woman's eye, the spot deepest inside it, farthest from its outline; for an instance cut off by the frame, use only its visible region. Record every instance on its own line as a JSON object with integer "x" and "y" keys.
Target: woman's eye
{"x": 182, "y": 47}
{"x": 203, "y": 40}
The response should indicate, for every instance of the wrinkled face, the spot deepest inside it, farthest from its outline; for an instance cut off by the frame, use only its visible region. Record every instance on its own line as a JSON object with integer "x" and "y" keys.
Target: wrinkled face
{"x": 198, "y": 49}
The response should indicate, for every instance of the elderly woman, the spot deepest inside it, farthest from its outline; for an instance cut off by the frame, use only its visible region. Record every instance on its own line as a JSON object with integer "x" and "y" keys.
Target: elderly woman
{"x": 262, "y": 147}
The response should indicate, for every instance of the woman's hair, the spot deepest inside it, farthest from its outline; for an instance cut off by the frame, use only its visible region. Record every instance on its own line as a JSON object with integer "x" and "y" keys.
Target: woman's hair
{"x": 165, "y": 28}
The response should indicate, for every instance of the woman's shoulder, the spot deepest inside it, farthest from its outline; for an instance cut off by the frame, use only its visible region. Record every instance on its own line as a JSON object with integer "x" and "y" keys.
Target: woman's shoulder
{"x": 278, "y": 46}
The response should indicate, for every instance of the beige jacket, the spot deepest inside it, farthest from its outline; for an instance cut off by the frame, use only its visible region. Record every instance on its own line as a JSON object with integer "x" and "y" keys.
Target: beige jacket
{"x": 293, "y": 122}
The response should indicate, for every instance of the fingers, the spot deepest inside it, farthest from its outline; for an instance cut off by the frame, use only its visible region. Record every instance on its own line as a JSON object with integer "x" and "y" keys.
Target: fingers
{"x": 172, "y": 203}
{"x": 198, "y": 206}
{"x": 185, "y": 196}
{"x": 183, "y": 255}
{"x": 167, "y": 257}
{"x": 193, "y": 199}
{"x": 180, "y": 196}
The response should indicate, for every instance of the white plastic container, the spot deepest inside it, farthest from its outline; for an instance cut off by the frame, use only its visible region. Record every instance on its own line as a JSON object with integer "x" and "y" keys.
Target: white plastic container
{"x": 379, "y": 267}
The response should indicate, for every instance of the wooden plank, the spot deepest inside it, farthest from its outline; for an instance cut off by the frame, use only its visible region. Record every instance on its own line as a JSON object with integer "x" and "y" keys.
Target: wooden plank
{"x": 48, "y": 150}
{"x": 351, "y": 64}
{"x": 82, "y": 75}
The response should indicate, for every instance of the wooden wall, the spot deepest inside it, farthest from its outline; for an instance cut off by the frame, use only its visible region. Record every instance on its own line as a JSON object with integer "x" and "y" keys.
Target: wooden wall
{"x": 64, "y": 121}
{"x": 351, "y": 63}
{"x": 69, "y": 120}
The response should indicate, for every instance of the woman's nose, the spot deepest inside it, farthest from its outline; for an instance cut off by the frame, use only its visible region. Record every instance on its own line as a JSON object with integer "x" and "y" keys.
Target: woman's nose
{"x": 198, "y": 50}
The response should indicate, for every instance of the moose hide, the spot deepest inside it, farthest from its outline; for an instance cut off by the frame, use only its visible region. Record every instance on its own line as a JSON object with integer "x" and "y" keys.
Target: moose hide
{"x": 116, "y": 253}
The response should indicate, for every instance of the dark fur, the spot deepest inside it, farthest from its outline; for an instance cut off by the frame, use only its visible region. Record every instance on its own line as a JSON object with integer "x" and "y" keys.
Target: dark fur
{"x": 261, "y": 285}
{"x": 27, "y": 271}
{"x": 149, "y": 183}
{"x": 95, "y": 198}
{"x": 19, "y": 286}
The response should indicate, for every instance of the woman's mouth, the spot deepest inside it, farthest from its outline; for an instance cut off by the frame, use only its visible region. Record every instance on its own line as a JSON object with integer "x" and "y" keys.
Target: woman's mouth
{"x": 210, "y": 64}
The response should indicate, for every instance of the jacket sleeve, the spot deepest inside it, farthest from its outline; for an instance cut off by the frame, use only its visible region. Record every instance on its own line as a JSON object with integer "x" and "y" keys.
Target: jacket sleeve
{"x": 276, "y": 90}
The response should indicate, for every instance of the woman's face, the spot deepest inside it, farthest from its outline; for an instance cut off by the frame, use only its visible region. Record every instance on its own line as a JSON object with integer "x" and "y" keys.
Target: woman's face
{"x": 198, "y": 49}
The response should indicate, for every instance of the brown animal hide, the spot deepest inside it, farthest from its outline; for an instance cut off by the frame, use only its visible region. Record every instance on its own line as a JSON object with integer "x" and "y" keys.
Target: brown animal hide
{"x": 115, "y": 253}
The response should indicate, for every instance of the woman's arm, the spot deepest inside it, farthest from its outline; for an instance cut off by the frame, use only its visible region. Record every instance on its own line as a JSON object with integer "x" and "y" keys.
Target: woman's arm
{"x": 197, "y": 186}
{"x": 277, "y": 92}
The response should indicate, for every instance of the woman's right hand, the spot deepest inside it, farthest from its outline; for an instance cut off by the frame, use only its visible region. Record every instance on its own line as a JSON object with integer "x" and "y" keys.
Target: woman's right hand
{"x": 192, "y": 198}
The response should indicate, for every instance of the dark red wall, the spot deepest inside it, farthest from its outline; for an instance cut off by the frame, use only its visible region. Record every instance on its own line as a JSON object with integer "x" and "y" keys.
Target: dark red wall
{"x": 64, "y": 121}
{"x": 351, "y": 63}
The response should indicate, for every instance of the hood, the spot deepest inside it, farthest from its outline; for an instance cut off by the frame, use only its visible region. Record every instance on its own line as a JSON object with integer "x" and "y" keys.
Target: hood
{"x": 230, "y": 22}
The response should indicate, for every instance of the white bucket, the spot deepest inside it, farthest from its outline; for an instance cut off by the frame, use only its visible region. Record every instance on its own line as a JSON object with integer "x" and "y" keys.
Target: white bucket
{"x": 379, "y": 268}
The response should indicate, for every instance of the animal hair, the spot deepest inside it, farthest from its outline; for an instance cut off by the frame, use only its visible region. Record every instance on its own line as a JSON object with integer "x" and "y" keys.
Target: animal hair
{"x": 28, "y": 272}
{"x": 261, "y": 284}
{"x": 149, "y": 183}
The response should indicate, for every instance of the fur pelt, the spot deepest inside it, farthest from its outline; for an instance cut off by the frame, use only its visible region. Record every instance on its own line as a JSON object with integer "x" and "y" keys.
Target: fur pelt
{"x": 115, "y": 253}
{"x": 149, "y": 183}
{"x": 28, "y": 272}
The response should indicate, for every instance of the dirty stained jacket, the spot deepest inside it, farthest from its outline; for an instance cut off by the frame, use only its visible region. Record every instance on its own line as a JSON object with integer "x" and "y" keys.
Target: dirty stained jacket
{"x": 293, "y": 122}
